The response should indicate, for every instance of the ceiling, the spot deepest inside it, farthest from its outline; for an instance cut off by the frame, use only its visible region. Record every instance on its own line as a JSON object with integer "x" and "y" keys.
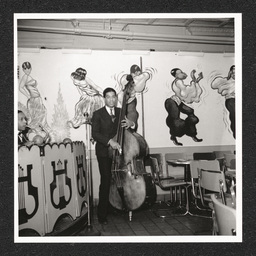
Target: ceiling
{"x": 169, "y": 34}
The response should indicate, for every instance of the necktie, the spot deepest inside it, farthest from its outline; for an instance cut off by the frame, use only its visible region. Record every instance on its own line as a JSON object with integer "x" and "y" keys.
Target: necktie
{"x": 112, "y": 116}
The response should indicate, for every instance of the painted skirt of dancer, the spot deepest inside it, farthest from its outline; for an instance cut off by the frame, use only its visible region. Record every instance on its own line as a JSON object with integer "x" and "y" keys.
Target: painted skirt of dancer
{"x": 91, "y": 98}
{"x": 36, "y": 109}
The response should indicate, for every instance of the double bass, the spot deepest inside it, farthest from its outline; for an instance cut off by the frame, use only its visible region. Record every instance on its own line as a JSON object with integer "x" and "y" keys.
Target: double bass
{"x": 128, "y": 189}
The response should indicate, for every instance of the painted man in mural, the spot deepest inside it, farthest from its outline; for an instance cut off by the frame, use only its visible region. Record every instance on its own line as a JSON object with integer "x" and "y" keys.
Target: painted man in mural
{"x": 138, "y": 81}
{"x": 226, "y": 87}
{"x": 91, "y": 98}
{"x": 36, "y": 109}
{"x": 176, "y": 104}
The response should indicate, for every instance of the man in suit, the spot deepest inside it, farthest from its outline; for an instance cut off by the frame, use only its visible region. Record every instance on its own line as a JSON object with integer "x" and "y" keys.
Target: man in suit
{"x": 23, "y": 130}
{"x": 104, "y": 128}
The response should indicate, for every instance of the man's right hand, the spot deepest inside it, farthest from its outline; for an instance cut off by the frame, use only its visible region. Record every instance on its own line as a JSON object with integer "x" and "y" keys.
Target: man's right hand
{"x": 115, "y": 145}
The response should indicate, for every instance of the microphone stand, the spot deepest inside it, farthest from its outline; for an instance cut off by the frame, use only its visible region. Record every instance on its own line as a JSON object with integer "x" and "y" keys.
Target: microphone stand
{"x": 89, "y": 231}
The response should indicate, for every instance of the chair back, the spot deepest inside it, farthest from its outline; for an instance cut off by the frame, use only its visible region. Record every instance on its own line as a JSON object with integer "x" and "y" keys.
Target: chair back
{"x": 159, "y": 158}
{"x": 174, "y": 156}
{"x": 210, "y": 180}
{"x": 204, "y": 156}
{"x": 196, "y": 165}
{"x": 194, "y": 168}
{"x": 221, "y": 153}
{"x": 225, "y": 217}
{"x": 230, "y": 161}
{"x": 174, "y": 171}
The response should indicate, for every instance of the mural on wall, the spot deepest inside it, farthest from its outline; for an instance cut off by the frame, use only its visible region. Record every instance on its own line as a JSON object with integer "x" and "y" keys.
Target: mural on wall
{"x": 226, "y": 88}
{"x": 35, "y": 110}
{"x": 155, "y": 90}
{"x": 178, "y": 103}
{"x": 139, "y": 81}
{"x": 91, "y": 98}
{"x": 61, "y": 131}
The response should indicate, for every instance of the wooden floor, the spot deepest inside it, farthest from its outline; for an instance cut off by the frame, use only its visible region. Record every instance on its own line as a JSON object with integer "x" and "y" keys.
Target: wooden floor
{"x": 146, "y": 222}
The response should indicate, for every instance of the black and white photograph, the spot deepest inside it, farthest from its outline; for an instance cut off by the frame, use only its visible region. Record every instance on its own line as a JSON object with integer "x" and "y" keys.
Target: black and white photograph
{"x": 129, "y": 127}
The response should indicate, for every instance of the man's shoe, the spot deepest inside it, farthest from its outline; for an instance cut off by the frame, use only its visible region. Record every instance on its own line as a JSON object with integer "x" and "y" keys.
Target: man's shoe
{"x": 103, "y": 222}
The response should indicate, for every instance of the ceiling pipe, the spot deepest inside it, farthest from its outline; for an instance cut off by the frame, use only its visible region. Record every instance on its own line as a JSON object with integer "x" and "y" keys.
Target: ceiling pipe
{"x": 176, "y": 25}
{"x": 111, "y": 34}
{"x": 188, "y": 23}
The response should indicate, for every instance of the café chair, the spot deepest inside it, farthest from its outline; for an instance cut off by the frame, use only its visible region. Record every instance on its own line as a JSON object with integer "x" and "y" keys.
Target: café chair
{"x": 156, "y": 170}
{"x": 160, "y": 162}
{"x": 155, "y": 162}
{"x": 177, "y": 171}
{"x": 167, "y": 183}
{"x": 195, "y": 166}
{"x": 230, "y": 168}
{"x": 230, "y": 176}
{"x": 211, "y": 181}
{"x": 230, "y": 161}
{"x": 204, "y": 156}
{"x": 232, "y": 190}
{"x": 224, "y": 218}
{"x": 170, "y": 167}
{"x": 220, "y": 157}
{"x": 221, "y": 153}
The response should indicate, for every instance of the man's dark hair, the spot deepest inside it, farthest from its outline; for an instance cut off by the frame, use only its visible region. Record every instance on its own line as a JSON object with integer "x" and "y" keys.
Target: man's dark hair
{"x": 173, "y": 71}
{"x": 19, "y": 111}
{"x": 233, "y": 66}
{"x": 108, "y": 89}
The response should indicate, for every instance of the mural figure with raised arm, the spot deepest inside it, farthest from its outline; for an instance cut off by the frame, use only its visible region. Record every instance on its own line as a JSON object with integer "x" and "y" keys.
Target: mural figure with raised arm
{"x": 178, "y": 103}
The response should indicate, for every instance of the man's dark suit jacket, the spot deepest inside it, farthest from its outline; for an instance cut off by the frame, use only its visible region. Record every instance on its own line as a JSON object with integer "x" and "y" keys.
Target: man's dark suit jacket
{"x": 103, "y": 129}
{"x": 24, "y": 136}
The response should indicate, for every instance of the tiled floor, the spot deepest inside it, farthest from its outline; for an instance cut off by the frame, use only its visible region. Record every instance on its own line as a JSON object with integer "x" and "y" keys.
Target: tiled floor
{"x": 145, "y": 222}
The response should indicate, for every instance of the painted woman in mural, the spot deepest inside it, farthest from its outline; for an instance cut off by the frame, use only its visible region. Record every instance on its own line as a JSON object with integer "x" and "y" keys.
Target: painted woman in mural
{"x": 91, "y": 98}
{"x": 139, "y": 79}
{"x": 226, "y": 87}
{"x": 177, "y": 103}
{"x": 36, "y": 109}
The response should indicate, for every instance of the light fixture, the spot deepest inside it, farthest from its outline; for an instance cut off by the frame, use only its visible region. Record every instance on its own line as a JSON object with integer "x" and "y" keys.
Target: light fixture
{"x": 135, "y": 52}
{"x": 76, "y": 51}
{"x": 196, "y": 54}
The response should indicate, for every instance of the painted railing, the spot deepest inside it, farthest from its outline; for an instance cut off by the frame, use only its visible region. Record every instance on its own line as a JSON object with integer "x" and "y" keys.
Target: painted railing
{"x": 52, "y": 181}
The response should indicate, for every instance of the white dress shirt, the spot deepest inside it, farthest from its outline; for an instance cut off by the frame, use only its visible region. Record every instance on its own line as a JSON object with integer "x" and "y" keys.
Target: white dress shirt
{"x": 108, "y": 109}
